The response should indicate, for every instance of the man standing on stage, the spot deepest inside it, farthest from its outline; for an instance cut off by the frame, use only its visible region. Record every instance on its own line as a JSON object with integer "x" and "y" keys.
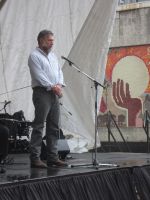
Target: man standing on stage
{"x": 47, "y": 82}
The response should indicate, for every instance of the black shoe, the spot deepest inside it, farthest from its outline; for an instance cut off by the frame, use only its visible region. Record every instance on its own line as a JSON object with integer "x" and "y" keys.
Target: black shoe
{"x": 38, "y": 164}
{"x": 57, "y": 163}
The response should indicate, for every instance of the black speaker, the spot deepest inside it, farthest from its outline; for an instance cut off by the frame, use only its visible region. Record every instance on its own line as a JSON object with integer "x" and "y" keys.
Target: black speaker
{"x": 63, "y": 148}
{"x": 4, "y": 133}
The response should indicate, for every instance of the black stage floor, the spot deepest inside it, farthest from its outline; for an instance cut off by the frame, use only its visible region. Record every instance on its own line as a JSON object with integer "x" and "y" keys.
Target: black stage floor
{"x": 18, "y": 167}
{"x": 129, "y": 180}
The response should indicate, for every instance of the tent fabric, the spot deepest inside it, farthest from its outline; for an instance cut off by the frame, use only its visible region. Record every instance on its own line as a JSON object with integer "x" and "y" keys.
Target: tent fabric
{"x": 20, "y": 23}
{"x": 89, "y": 54}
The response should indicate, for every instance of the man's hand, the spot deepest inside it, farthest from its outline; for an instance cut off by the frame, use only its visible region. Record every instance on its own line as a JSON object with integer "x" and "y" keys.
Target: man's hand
{"x": 57, "y": 89}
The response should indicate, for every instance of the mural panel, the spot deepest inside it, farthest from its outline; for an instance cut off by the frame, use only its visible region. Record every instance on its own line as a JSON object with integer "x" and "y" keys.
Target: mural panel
{"x": 127, "y": 93}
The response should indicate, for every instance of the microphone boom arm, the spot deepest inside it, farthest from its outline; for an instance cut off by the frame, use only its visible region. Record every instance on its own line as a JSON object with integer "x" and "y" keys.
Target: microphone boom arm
{"x": 78, "y": 69}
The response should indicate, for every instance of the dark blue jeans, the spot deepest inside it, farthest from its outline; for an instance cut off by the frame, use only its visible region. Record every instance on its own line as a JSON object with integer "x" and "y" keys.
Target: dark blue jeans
{"x": 47, "y": 112}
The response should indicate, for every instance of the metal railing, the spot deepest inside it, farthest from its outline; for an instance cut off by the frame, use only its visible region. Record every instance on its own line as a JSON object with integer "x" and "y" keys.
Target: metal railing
{"x": 146, "y": 123}
{"x": 109, "y": 122}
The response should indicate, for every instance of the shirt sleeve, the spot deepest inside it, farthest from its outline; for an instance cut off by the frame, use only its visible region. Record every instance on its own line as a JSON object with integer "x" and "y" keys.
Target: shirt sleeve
{"x": 37, "y": 73}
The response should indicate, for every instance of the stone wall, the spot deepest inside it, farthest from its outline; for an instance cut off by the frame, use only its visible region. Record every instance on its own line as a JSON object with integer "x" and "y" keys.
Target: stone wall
{"x": 132, "y": 25}
{"x": 131, "y": 29}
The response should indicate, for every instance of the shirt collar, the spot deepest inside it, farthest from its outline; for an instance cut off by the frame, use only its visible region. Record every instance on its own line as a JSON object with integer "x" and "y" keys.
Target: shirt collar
{"x": 41, "y": 51}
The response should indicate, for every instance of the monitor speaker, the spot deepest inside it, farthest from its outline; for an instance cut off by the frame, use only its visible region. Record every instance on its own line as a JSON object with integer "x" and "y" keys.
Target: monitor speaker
{"x": 63, "y": 148}
{"x": 4, "y": 133}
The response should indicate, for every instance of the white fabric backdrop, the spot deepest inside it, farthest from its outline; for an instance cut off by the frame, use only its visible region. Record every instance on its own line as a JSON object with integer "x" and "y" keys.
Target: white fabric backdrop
{"x": 21, "y": 21}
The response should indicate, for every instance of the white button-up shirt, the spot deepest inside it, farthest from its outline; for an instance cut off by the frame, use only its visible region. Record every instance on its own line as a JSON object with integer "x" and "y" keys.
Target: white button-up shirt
{"x": 45, "y": 70}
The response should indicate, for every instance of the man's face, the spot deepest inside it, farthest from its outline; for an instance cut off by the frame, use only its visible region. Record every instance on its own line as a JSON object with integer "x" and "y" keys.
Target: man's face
{"x": 46, "y": 43}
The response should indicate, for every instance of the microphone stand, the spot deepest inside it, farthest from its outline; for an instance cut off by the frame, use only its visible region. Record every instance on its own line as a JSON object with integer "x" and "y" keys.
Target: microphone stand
{"x": 94, "y": 163}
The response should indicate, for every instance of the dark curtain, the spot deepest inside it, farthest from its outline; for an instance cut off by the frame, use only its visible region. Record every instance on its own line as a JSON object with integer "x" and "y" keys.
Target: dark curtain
{"x": 142, "y": 181}
{"x": 116, "y": 184}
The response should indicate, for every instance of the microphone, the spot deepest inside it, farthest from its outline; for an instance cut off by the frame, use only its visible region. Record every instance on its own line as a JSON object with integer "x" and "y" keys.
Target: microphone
{"x": 69, "y": 61}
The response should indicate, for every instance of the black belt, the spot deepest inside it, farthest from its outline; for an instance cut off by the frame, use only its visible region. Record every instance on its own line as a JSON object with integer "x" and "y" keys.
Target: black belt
{"x": 43, "y": 88}
{"x": 40, "y": 87}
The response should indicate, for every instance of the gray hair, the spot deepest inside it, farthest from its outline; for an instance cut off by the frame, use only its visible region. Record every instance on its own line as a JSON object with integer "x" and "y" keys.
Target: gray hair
{"x": 44, "y": 33}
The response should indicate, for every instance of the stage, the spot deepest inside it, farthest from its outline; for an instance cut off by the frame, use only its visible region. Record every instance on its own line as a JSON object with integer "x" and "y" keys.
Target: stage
{"x": 129, "y": 180}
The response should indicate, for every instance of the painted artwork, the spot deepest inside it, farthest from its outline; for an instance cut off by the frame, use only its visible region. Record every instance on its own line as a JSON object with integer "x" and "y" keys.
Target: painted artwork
{"x": 127, "y": 81}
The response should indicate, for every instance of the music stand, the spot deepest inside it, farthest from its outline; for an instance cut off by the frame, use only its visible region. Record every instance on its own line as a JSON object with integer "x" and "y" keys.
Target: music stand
{"x": 96, "y": 84}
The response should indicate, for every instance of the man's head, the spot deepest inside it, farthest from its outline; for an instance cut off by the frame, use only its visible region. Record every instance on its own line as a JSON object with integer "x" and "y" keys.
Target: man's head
{"x": 45, "y": 40}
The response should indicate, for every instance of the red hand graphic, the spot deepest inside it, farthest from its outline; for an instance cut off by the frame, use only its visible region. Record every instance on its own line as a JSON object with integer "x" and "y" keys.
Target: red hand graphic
{"x": 123, "y": 99}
